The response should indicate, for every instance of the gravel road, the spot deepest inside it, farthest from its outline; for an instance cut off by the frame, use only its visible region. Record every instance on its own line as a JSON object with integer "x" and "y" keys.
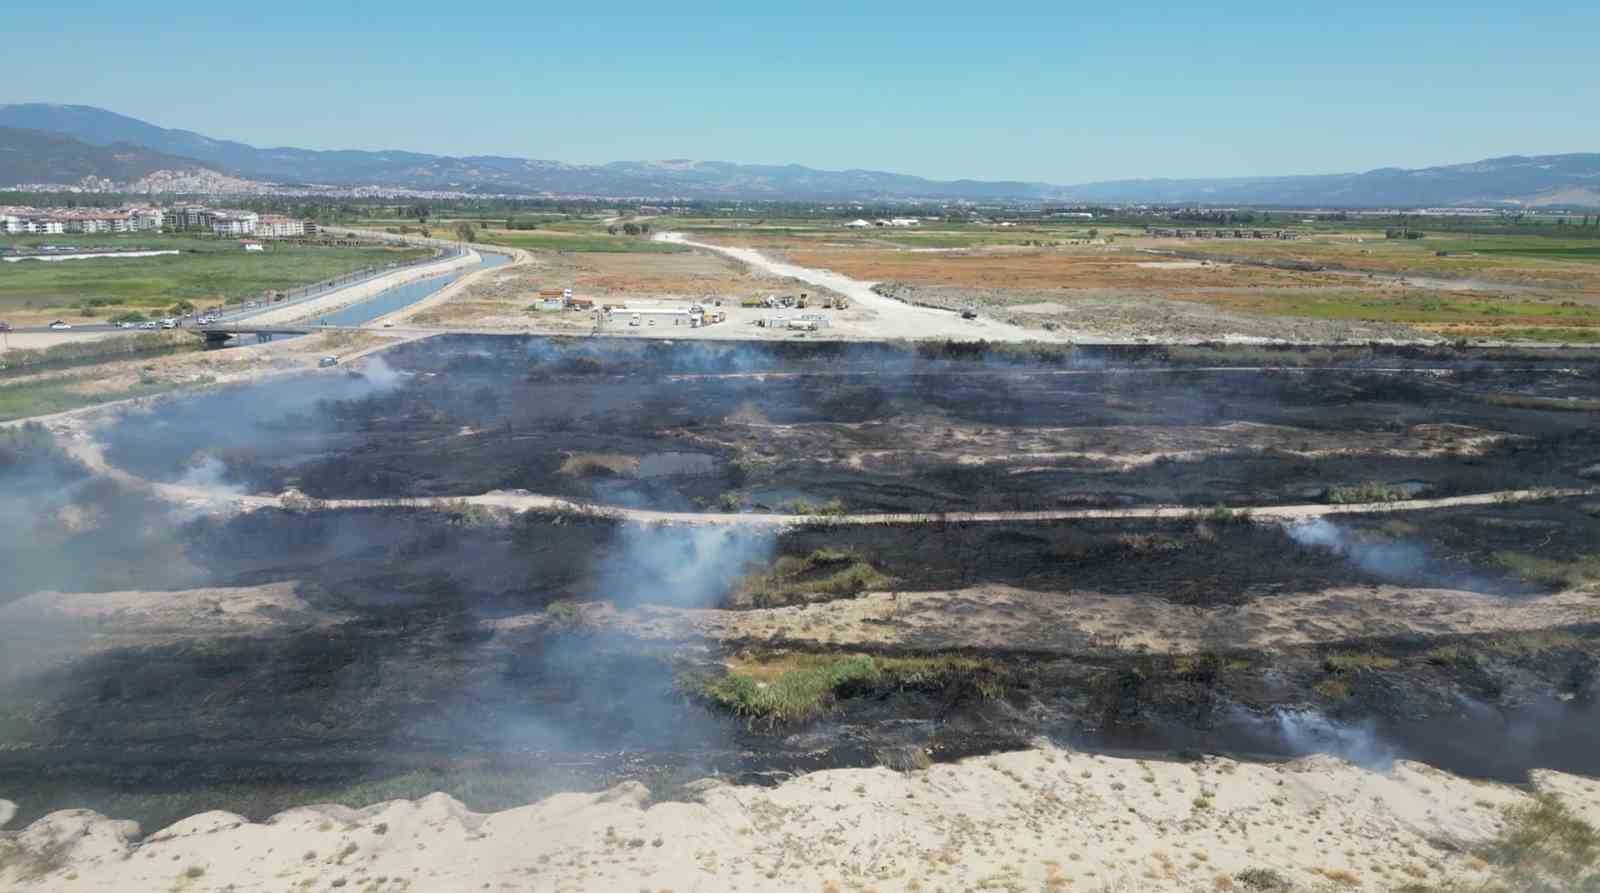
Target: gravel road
{"x": 893, "y": 319}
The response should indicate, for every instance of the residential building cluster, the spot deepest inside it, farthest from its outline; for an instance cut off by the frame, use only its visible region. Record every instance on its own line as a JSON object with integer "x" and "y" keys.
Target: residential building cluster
{"x": 50, "y": 221}
{"x": 143, "y": 218}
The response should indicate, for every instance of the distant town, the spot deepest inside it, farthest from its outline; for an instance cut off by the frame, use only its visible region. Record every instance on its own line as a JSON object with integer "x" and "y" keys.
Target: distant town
{"x": 20, "y": 220}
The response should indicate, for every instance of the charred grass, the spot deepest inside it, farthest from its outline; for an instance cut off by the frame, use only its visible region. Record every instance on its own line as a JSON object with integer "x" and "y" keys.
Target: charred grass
{"x": 881, "y": 428}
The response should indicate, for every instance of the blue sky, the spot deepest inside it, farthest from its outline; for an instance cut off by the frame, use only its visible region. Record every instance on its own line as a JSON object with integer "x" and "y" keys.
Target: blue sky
{"x": 1014, "y": 91}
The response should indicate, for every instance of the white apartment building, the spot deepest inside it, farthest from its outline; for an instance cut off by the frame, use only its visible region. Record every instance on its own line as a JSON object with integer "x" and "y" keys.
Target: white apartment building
{"x": 276, "y": 226}
{"x": 26, "y": 221}
{"x": 234, "y": 223}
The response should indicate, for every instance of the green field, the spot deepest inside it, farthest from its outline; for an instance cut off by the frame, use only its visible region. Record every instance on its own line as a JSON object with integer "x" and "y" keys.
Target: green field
{"x": 56, "y": 395}
{"x": 539, "y": 240}
{"x": 208, "y": 271}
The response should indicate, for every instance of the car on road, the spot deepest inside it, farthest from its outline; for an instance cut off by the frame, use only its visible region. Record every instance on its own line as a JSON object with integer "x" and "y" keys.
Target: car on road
{"x": 152, "y": 324}
{"x": 169, "y": 323}
{"x": 58, "y": 325}
{"x": 5, "y": 327}
{"x": 127, "y": 325}
{"x": 325, "y": 362}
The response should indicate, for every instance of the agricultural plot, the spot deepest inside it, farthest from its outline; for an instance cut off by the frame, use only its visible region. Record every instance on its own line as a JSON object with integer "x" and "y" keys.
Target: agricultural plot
{"x": 207, "y": 271}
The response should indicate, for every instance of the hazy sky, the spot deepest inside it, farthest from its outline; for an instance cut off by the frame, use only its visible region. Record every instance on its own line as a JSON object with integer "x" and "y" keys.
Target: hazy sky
{"x": 1019, "y": 90}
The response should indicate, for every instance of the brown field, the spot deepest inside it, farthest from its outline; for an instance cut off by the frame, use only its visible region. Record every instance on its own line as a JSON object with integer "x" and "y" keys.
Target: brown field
{"x": 1050, "y": 269}
{"x": 503, "y": 299}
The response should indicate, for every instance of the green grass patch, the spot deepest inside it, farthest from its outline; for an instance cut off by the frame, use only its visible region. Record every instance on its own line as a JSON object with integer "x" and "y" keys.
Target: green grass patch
{"x": 541, "y": 240}
{"x": 56, "y": 395}
{"x": 1349, "y": 661}
{"x": 796, "y": 687}
{"x": 96, "y": 350}
{"x": 1559, "y": 404}
{"x": 1370, "y": 491}
{"x": 1543, "y": 846}
{"x": 823, "y": 575}
{"x": 208, "y": 271}
{"x": 1573, "y": 573}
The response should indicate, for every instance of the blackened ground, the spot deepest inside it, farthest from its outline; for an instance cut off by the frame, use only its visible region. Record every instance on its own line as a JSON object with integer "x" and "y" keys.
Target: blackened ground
{"x": 371, "y": 712}
{"x": 770, "y": 426}
{"x": 415, "y": 691}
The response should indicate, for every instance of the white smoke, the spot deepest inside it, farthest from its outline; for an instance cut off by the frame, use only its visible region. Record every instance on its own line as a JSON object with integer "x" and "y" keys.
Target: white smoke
{"x": 210, "y": 474}
{"x": 1388, "y": 559}
{"x": 1306, "y": 732}
{"x": 691, "y": 567}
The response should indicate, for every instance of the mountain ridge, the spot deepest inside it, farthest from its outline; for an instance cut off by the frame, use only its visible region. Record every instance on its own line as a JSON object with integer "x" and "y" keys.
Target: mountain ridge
{"x": 1514, "y": 180}
{"x": 37, "y": 156}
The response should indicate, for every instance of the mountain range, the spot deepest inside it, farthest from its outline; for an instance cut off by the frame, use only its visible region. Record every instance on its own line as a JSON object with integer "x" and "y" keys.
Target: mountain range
{"x": 1572, "y": 179}
{"x": 35, "y": 156}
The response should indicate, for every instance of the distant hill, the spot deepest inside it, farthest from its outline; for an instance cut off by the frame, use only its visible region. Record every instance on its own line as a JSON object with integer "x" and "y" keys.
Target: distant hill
{"x": 34, "y": 156}
{"x": 1516, "y": 180}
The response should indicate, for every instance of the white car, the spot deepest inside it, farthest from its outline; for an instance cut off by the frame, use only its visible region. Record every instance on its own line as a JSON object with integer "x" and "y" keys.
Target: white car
{"x": 149, "y": 325}
{"x": 127, "y": 325}
{"x": 58, "y": 325}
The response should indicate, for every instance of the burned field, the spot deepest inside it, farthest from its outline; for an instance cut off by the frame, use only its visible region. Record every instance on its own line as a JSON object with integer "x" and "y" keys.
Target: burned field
{"x": 872, "y": 428}
{"x": 356, "y": 655}
{"x": 160, "y": 658}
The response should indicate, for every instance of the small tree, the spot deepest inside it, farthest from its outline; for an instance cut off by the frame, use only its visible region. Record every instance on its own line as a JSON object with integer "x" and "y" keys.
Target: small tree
{"x": 466, "y": 232}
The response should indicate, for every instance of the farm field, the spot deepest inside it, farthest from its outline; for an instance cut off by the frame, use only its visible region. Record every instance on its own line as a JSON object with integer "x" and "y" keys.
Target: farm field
{"x": 1335, "y": 283}
{"x": 208, "y": 271}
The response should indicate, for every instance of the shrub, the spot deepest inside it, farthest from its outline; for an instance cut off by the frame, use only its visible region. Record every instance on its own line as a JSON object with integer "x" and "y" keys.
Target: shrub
{"x": 795, "y": 687}
{"x": 1262, "y": 879}
{"x": 1370, "y": 491}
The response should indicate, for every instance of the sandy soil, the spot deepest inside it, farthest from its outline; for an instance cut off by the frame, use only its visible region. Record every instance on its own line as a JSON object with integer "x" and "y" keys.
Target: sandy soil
{"x": 42, "y": 340}
{"x": 1006, "y": 618}
{"x": 1064, "y": 269}
{"x": 894, "y": 319}
{"x": 1040, "y": 819}
{"x": 1122, "y": 447}
{"x": 244, "y": 362}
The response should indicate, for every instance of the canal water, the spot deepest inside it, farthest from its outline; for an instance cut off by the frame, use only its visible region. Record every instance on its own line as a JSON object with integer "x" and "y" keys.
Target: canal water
{"x": 401, "y": 296}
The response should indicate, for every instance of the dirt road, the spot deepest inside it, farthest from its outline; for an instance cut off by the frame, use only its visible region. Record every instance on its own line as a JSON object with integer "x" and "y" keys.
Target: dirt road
{"x": 895, "y": 319}
{"x": 78, "y": 440}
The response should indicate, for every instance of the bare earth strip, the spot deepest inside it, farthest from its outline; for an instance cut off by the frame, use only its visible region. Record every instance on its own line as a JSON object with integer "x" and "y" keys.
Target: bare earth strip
{"x": 1078, "y": 622}
{"x": 1043, "y": 819}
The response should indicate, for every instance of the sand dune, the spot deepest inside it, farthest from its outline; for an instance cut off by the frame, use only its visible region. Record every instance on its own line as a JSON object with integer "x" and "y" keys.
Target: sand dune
{"x": 1040, "y": 819}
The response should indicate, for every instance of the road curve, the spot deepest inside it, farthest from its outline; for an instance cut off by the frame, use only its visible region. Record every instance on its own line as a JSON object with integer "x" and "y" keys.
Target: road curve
{"x": 900, "y": 320}
{"x": 88, "y": 451}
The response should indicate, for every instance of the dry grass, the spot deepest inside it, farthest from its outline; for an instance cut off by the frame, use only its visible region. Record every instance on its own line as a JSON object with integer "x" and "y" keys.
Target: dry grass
{"x": 795, "y": 686}
{"x": 823, "y": 575}
{"x": 590, "y": 464}
{"x": 1036, "y": 269}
